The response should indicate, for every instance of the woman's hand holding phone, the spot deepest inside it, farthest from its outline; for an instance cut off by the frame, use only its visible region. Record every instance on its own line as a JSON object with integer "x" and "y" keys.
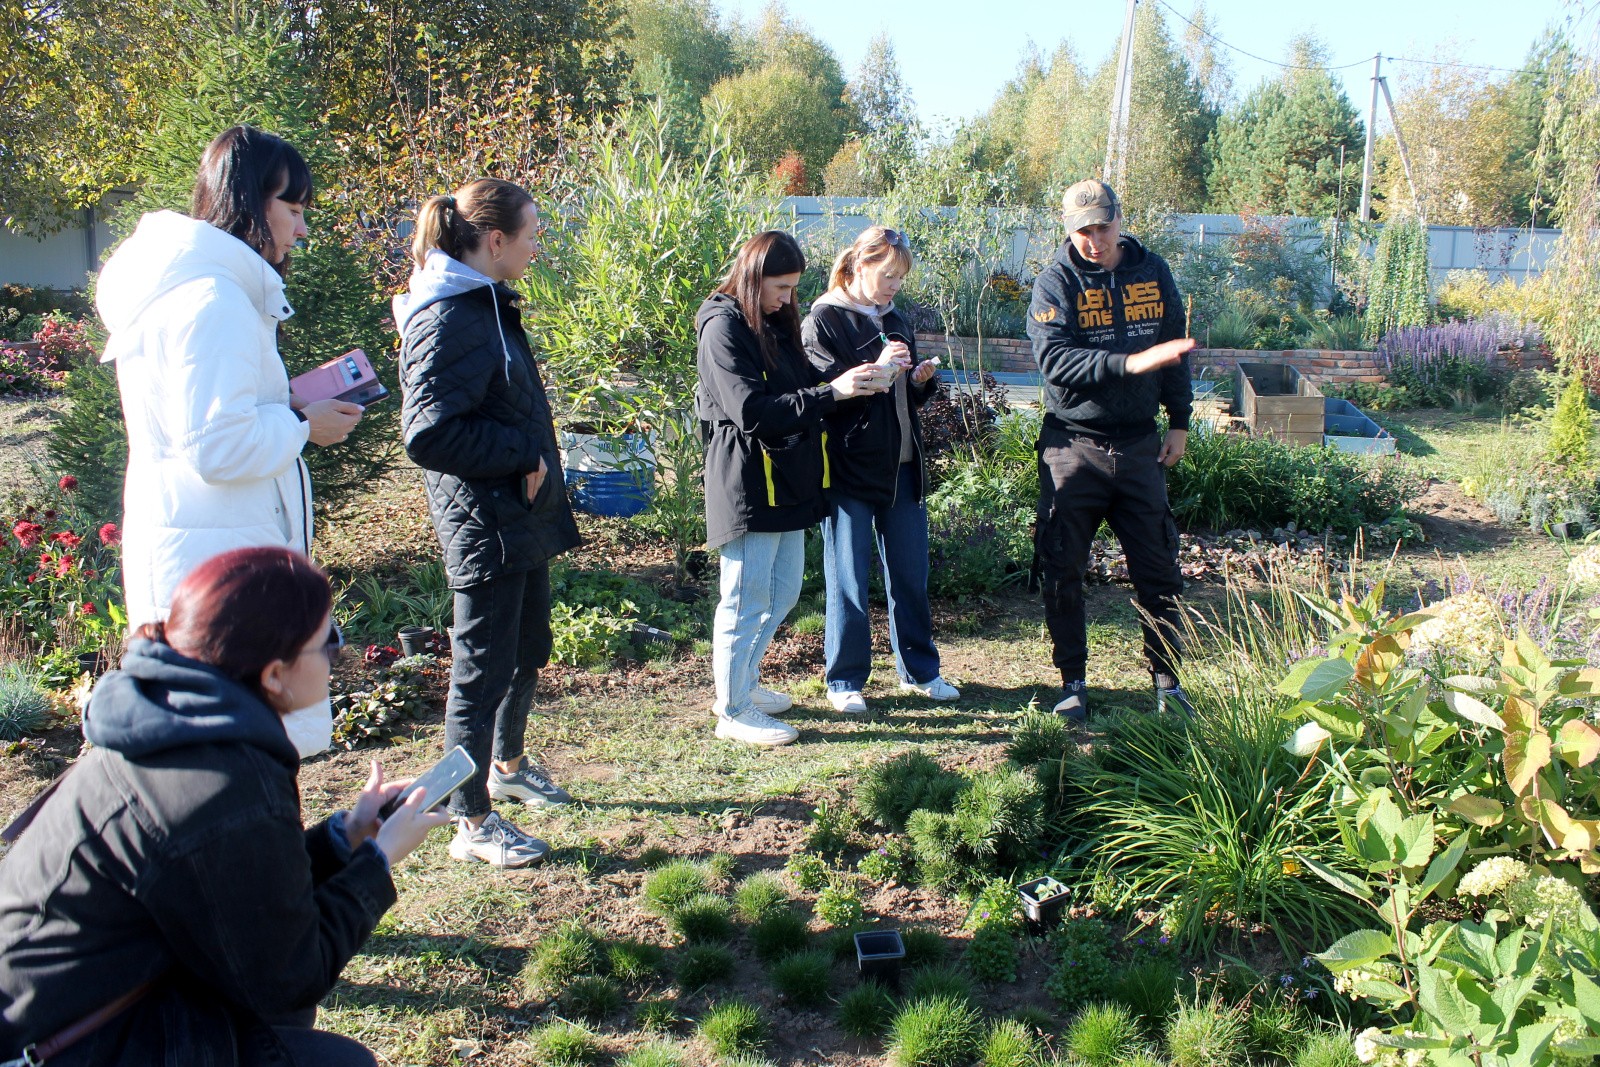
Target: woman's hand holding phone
{"x": 864, "y": 380}
{"x": 406, "y": 826}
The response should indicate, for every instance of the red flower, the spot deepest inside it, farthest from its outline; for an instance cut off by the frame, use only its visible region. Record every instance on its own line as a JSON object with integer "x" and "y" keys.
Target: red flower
{"x": 68, "y": 483}
{"x": 63, "y": 566}
{"x": 49, "y": 514}
{"x": 90, "y": 574}
{"x": 68, "y": 538}
{"x": 110, "y": 535}
{"x": 27, "y": 533}
{"x": 88, "y": 607}
{"x": 46, "y": 561}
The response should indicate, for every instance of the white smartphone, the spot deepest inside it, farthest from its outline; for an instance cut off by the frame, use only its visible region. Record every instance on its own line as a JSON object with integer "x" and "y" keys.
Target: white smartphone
{"x": 440, "y": 780}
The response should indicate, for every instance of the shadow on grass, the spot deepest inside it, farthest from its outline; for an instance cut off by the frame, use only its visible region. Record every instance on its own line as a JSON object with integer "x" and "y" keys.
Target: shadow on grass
{"x": 1406, "y": 441}
{"x": 481, "y": 963}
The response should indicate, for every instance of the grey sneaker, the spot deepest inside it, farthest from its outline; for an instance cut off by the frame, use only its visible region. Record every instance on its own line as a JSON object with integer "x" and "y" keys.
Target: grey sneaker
{"x": 530, "y": 784}
{"x": 755, "y": 728}
{"x": 1171, "y": 697}
{"x": 497, "y": 843}
{"x": 1074, "y": 703}
{"x": 768, "y": 702}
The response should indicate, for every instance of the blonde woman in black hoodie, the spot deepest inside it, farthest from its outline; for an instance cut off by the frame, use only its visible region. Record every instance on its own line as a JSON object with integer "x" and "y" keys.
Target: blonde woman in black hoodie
{"x": 878, "y": 475}
{"x": 761, "y": 407}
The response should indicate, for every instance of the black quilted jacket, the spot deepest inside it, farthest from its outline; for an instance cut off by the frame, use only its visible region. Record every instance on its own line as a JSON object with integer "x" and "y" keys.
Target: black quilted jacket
{"x": 476, "y": 420}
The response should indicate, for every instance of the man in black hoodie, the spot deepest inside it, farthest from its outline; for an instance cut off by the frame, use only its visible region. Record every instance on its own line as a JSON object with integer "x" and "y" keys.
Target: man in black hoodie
{"x": 1108, "y": 329}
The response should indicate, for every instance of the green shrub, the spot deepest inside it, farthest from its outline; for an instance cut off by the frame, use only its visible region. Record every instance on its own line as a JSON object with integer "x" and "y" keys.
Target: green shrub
{"x": 1038, "y": 736}
{"x": 924, "y": 945}
{"x": 1103, "y": 1035}
{"x": 1326, "y": 1048}
{"x": 564, "y": 1044}
{"x": 938, "y": 980}
{"x": 865, "y": 1011}
{"x": 992, "y": 954}
{"x": 1274, "y": 1027}
{"x": 1206, "y": 1034}
{"x": 941, "y": 1032}
{"x": 673, "y": 885}
{"x": 804, "y": 977}
{"x": 1009, "y": 1044}
{"x": 1206, "y": 813}
{"x": 719, "y": 868}
{"x": 568, "y": 952}
{"x": 1082, "y": 970}
{"x": 996, "y": 904}
{"x": 592, "y": 997}
{"x": 1334, "y": 333}
{"x": 889, "y": 792}
{"x": 703, "y": 965}
{"x": 1148, "y": 987}
{"x": 659, "y": 1054}
{"x": 1398, "y": 287}
{"x": 809, "y": 870}
{"x": 840, "y": 905}
{"x": 706, "y": 917}
{"x": 980, "y": 523}
{"x": 733, "y": 1027}
{"x": 778, "y": 934}
{"x": 635, "y": 962}
{"x": 1233, "y": 327}
{"x": 1572, "y": 426}
{"x": 659, "y": 1015}
{"x": 88, "y": 439}
{"x": 996, "y": 822}
{"x": 890, "y": 862}
{"x": 830, "y": 829}
{"x": 24, "y": 709}
{"x": 760, "y": 895}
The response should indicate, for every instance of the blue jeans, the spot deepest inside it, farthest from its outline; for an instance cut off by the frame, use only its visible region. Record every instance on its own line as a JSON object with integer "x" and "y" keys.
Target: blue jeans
{"x": 902, "y": 538}
{"x": 761, "y": 576}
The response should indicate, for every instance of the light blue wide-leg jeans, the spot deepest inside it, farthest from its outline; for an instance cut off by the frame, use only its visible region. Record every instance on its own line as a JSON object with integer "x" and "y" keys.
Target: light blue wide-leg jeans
{"x": 761, "y": 578}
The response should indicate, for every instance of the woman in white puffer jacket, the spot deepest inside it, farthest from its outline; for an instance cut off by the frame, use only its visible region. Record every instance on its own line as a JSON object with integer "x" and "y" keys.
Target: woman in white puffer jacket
{"x": 214, "y": 438}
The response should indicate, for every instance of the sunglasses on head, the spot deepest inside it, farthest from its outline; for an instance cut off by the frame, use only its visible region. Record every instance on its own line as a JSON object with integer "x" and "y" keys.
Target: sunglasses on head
{"x": 894, "y": 237}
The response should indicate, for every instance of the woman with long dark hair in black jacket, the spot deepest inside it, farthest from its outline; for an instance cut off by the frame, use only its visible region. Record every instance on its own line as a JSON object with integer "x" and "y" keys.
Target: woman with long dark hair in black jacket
{"x": 165, "y": 906}
{"x": 477, "y": 421}
{"x": 761, "y": 408}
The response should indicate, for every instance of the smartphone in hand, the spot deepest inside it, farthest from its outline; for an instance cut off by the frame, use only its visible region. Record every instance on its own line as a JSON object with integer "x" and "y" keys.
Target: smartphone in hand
{"x": 440, "y": 780}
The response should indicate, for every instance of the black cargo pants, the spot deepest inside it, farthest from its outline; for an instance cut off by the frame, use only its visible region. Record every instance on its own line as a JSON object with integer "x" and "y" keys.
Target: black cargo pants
{"x": 1082, "y": 481}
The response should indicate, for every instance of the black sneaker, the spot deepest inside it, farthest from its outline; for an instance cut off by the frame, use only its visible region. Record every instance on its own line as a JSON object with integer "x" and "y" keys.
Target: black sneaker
{"x": 1171, "y": 697}
{"x": 1074, "y": 703}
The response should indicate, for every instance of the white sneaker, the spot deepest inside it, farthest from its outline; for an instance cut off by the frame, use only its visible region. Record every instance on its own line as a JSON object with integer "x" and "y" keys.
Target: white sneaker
{"x": 497, "y": 843}
{"x": 850, "y": 702}
{"x": 755, "y": 728}
{"x": 768, "y": 702}
{"x": 938, "y": 689}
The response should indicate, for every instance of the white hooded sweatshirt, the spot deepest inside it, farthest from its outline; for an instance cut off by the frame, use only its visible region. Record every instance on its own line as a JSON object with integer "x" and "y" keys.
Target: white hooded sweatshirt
{"x": 213, "y": 446}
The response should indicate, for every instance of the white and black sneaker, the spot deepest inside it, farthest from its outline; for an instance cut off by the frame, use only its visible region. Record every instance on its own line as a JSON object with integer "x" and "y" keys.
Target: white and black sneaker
{"x": 497, "y": 843}
{"x": 1074, "y": 703}
{"x": 1171, "y": 697}
{"x": 529, "y": 784}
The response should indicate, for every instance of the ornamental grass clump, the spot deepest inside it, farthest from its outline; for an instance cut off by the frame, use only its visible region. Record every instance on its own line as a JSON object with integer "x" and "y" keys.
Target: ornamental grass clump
{"x": 733, "y": 1027}
{"x": 659, "y": 1054}
{"x": 569, "y": 952}
{"x": 1206, "y": 1034}
{"x": 673, "y": 885}
{"x": 1147, "y": 987}
{"x": 635, "y": 962}
{"x": 1103, "y": 1035}
{"x": 702, "y": 965}
{"x": 865, "y": 1011}
{"x": 778, "y": 934}
{"x": 804, "y": 977}
{"x": 759, "y": 895}
{"x": 703, "y": 917}
{"x": 938, "y": 1032}
{"x": 1009, "y": 1044}
{"x": 592, "y": 997}
{"x": 566, "y": 1044}
{"x": 24, "y": 709}
{"x": 938, "y": 981}
{"x": 1326, "y": 1049}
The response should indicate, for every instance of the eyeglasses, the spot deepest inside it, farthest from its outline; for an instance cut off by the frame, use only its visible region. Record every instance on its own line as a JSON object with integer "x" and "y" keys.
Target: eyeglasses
{"x": 331, "y": 647}
{"x": 894, "y": 237}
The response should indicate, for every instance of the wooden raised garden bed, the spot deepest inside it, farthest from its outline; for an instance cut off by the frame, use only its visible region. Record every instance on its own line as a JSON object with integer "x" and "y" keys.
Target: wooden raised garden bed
{"x": 1274, "y": 400}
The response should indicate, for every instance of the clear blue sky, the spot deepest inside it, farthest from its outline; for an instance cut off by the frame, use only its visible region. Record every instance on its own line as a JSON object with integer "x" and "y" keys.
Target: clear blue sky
{"x": 956, "y": 54}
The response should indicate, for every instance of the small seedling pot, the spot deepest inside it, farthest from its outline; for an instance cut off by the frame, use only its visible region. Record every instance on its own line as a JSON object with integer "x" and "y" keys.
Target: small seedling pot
{"x": 1043, "y": 900}
{"x": 879, "y": 954}
{"x": 92, "y": 663}
{"x": 415, "y": 640}
{"x": 1565, "y": 531}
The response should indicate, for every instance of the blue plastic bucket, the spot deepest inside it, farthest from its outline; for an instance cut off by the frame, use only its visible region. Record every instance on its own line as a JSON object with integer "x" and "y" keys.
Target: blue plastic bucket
{"x": 617, "y": 494}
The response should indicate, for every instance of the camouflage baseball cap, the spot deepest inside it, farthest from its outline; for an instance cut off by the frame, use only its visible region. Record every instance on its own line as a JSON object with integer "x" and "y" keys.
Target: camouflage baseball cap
{"x": 1089, "y": 203}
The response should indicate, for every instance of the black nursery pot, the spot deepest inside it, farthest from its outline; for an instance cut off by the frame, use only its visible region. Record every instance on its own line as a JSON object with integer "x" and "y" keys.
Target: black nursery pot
{"x": 415, "y": 640}
{"x": 94, "y": 663}
{"x": 1042, "y": 901}
{"x": 879, "y": 954}
{"x": 647, "y": 637}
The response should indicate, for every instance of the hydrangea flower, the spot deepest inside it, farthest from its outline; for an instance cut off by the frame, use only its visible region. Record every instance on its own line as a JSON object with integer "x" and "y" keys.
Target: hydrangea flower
{"x": 1584, "y": 567}
{"x": 1491, "y": 876}
{"x": 1466, "y": 625}
{"x": 1537, "y": 900}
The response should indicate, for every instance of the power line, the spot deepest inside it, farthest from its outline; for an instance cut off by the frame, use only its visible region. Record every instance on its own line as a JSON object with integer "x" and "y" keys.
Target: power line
{"x": 1330, "y": 69}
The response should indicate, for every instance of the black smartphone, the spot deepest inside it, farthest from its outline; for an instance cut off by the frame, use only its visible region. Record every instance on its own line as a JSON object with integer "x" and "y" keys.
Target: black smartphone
{"x": 440, "y": 780}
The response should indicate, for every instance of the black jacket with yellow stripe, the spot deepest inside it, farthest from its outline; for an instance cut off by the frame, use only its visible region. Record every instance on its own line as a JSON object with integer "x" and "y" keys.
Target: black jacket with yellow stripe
{"x": 766, "y": 460}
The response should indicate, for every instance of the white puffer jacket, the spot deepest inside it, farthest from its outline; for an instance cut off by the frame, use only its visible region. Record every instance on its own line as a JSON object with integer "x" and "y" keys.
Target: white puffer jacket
{"x": 213, "y": 446}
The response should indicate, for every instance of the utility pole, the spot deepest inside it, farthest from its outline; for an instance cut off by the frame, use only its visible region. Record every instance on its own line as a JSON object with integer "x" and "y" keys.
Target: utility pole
{"x": 1405, "y": 157}
{"x": 1372, "y": 135}
{"x": 1116, "y": 167}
